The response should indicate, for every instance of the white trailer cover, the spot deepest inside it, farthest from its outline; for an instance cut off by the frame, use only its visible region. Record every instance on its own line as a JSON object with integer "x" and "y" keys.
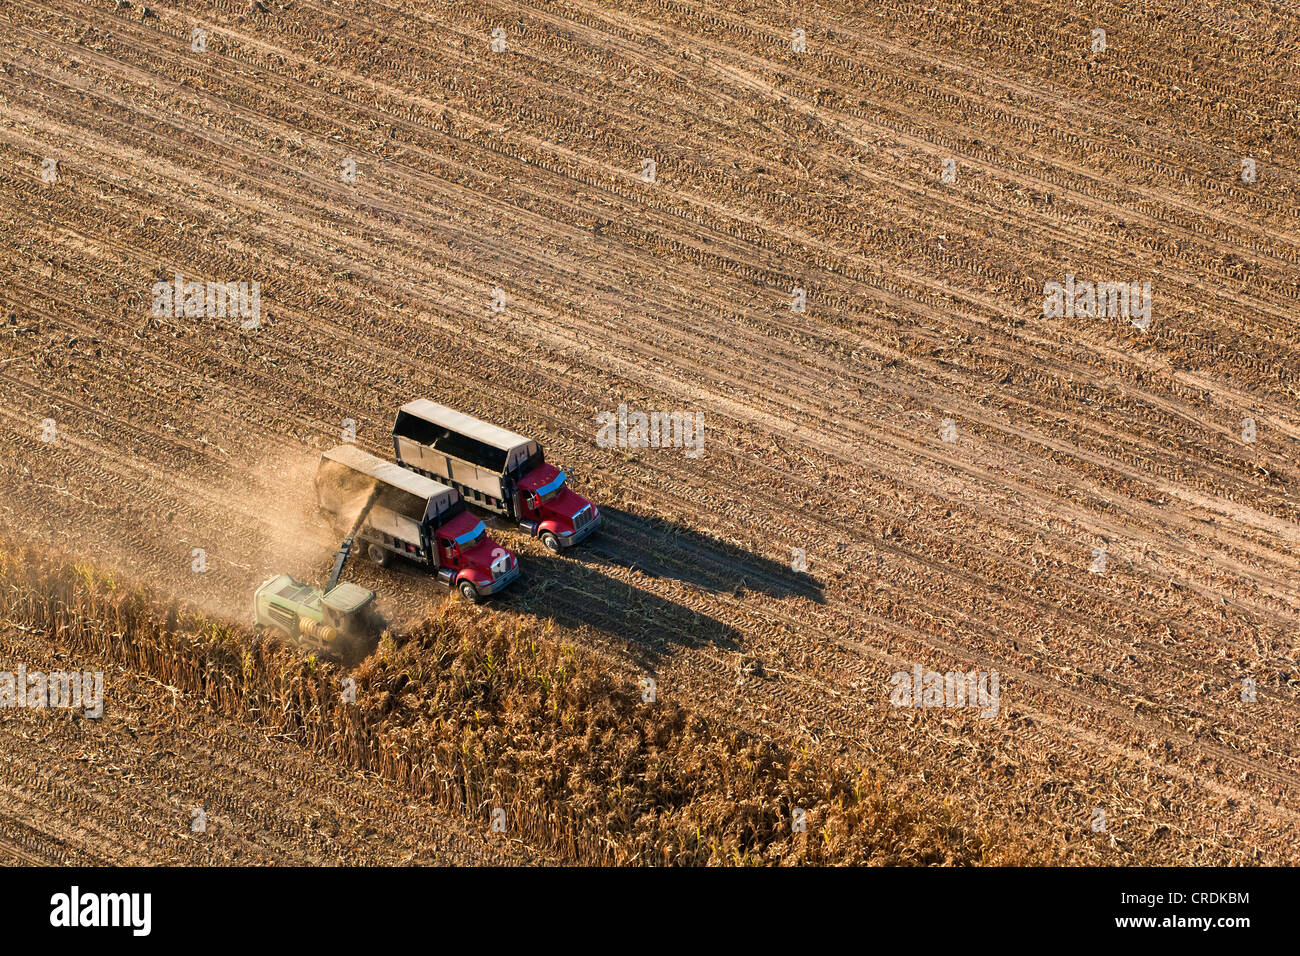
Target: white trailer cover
{"x": 449, "y": 458}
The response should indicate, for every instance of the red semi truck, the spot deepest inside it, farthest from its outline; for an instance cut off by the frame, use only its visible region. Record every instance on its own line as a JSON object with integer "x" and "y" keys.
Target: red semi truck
{"x": 412, "y": 516}
{"x": 494, "y": 469}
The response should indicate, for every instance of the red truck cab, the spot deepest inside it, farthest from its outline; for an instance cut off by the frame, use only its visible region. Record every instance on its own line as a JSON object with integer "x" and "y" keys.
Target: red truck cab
{"x": 551, "y": 510}
{"x": 466, "y": 555}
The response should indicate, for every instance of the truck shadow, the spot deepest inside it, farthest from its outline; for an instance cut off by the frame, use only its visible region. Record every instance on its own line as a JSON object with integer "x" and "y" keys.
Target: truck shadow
{"x": 665, "y": 549}
{"x": 575, "y": 595}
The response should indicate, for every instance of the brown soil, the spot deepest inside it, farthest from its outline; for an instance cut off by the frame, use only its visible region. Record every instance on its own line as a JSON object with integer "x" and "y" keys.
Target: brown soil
{"x": 1121, "y": 690}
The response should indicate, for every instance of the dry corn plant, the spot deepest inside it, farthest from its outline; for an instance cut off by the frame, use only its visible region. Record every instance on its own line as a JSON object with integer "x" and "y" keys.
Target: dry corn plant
{"x": 480, "y": 713}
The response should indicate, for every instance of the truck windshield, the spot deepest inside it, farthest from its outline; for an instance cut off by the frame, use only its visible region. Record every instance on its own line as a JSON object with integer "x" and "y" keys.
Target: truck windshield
{"x": 551, "y": 488}
{"x": 472, "y": 537}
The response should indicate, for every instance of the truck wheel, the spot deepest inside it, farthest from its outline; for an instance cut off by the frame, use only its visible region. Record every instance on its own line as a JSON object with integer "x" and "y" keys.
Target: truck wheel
{"x": 469, "y": 592}
{"x": 378, "y": 555}
{"x": 551, "y": 541}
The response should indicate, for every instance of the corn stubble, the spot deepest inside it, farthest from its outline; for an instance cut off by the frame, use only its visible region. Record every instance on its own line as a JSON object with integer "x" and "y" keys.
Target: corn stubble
{"x": 478, "y": 712}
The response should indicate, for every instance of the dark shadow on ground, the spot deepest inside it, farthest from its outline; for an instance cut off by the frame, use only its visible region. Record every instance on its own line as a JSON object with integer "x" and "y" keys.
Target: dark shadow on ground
{"x": 575, "y": 595}
{"x": 665, "y": 549}
{"x": 575, "y": 589}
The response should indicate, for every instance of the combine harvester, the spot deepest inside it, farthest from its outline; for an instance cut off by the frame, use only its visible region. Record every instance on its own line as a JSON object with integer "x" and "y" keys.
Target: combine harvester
{"x": 339, "y": 620}
{"x": 494, "y": 469}
{"x": 413, "y": 517}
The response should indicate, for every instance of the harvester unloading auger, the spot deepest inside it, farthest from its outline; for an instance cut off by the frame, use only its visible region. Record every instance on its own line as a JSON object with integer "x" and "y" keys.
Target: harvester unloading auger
{"x": 338, "y": 620}
{"x": 345, "y": 549}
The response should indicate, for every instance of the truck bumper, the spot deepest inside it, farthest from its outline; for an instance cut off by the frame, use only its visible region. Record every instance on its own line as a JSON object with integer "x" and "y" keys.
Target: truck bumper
{"x": 582, "y": 533}
{"x": 500, "y": 582}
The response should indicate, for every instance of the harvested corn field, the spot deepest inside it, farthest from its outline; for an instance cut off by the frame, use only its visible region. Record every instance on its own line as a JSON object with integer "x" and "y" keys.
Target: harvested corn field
{"x": 969, "y": 332}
